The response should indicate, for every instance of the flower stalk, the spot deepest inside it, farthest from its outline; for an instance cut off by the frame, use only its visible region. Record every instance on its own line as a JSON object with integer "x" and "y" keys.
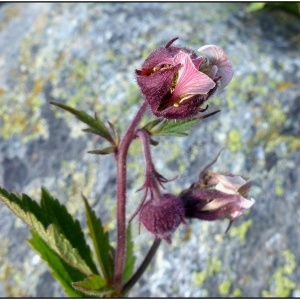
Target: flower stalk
{"x": 142, "y": 268}
{"x": 121, "y": 157}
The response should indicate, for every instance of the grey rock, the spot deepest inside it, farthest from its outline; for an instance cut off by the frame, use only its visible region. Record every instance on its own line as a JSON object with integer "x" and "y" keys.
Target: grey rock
{"x": 85, "y": 54}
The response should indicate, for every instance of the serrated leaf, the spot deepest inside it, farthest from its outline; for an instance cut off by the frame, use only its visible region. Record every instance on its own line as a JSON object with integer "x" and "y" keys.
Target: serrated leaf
{"x": 104, "y": 151}
{"x": 101, "y": 244}
{"x": 94, "y": 285}
{"x": 31, "y": 206}
{"x": 152, "y": 124}
{"x": 130, "y": 258}
{"x": 116, "y": 133}
{"x": 96, "y": 125}
{"x": 175, "y": 127}
{"x": 60, "y": 270}
{"x": 57, "y": 214}
{"x": 64, "y": 248}
{"x": 28, "y": 210}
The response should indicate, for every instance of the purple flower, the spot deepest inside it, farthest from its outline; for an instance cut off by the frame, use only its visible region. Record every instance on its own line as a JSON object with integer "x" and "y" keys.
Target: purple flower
{"x": 176, "y": 82}
{"x": 162, "y": 216}
{"x": 217, "y": 196}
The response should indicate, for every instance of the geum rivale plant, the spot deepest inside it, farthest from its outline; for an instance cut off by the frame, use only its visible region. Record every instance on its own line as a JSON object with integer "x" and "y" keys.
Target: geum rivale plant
{"x": 176, "y": 84}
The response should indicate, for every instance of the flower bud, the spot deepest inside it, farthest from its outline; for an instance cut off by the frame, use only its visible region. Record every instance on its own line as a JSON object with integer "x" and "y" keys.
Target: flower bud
{"x": 176, "y": 82}
{"x": 162, "y": 216}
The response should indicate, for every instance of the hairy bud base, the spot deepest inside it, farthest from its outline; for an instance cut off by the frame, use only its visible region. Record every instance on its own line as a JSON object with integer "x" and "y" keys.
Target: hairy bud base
{"x": 162, "y": 216}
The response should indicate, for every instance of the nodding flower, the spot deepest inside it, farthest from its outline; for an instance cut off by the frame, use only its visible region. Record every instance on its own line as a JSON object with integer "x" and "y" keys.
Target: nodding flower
{"x": 217, "y": 196}
{"x": 176, "y": 82}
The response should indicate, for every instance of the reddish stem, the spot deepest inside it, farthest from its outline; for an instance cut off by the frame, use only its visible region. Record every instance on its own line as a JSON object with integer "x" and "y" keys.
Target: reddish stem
{"x": 142, "y": 268}
{"x": 150, "y": 173}
{"x": 121, "y": 157}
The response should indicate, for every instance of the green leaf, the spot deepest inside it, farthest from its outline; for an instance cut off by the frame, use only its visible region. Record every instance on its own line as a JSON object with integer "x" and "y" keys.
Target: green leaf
{"x": 130, "y": 258}
{"x": 152, "y": 124}
{"x": 174, "y": 127}
{"x": 29, "y": 211}
{"x": 116, "y": 133}
{"x": 292, "y": 7}
{"x": 101, "y": 244}
{"x": 255, "y": 6}
{"x": 57, "y": 214}
{"x": 94, "y": 285}
{"x": 60, "y": 270}
{"x": 104, "y": 151}
{"x": 96, "y": 125}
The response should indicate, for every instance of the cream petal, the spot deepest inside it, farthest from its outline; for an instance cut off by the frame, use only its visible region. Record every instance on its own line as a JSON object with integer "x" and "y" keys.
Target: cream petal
{"x": 248, "y": 203}
{"x": 229, "y": 183}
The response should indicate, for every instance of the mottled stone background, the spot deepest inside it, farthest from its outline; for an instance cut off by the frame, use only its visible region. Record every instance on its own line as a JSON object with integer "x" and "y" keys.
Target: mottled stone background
{"x": 84, "y": 54}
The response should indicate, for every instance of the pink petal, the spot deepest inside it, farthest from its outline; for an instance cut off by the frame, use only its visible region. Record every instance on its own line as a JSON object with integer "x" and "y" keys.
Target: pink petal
{"x": 190, "y": 80}
{"x": 197, "y": 62}
{"x": 214, "y": 71}
{"x": 217, "y": 56}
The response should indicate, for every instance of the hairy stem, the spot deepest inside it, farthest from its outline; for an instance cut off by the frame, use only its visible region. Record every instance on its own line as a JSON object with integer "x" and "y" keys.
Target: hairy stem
{"x": 121, "y": 156}
{"x": 150, "y": 172}
{"x": 139, "y": 272}
{"x": 152, "y": 178}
